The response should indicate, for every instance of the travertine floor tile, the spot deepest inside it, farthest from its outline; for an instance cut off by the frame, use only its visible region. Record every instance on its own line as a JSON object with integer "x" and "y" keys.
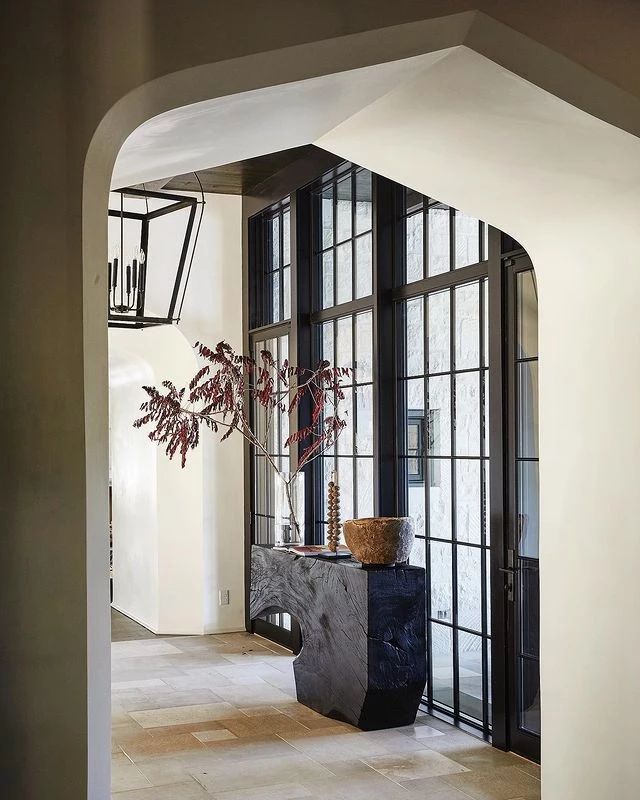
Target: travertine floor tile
{"x": 198, "y": 717}
{"x": 249, "y": 774}
{"x": 503, "y": 783}
{"x": 421, "y": 764}
{"x": 176, "y": 716}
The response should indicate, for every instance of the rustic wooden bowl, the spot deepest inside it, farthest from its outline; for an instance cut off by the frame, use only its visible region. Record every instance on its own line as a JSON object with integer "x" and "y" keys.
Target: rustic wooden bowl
{"x": 384, "y": 541}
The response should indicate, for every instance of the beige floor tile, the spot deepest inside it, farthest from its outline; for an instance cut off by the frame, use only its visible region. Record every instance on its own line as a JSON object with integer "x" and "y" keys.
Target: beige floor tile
{"x": 142, "y": 683}
{"x": 280, "y": 791}
{"x": 147, "y": 745}
{"x": 186, "y": 790}
{"x": 253, "y": 695}
{"x": 420, "y": 731}
{"x": 250, "y": 774}
{"x": 327, "y": 747}
{"x": 192, "y": 713}
{"x": 125, "y": 775}
{"x": 267, "y": 723}
{"x": 216, "y": 717}
{"x": 214, "y": 736}
{"x": 502, "y": 783}
{"x": 432, "y": 789}
{"x": 142, "y": 649}
{"x": 409, "y": 766}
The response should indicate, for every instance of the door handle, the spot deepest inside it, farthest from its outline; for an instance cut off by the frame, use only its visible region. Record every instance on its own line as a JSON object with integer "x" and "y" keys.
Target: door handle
{"x": 508, "y": 570}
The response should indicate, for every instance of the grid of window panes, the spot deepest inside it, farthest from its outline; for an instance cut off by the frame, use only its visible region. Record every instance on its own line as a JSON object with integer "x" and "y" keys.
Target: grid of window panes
{"x": 277, "y": 265}
{"x": 527, "y": 512}
{"x": 343, "y": 241}
{"x": 272, "y": 428}
{"x": 438, "y": 238}
{"x": 444, "y": 462}
{"x": 348, "y": 342}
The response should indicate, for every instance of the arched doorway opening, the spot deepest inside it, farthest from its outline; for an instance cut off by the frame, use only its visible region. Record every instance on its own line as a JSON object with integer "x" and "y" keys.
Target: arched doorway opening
{"x": 434, "y": 154}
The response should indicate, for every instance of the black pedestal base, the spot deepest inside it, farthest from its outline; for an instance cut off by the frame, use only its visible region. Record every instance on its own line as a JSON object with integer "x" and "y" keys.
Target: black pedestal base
{"x": 363, "y": 659}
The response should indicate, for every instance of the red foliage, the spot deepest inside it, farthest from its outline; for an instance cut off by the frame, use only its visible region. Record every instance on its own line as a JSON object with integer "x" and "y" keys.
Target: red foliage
{"x": 217, "y": 398}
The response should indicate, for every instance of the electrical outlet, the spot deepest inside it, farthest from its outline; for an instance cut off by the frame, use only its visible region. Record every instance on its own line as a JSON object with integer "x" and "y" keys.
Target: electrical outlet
{"x": 224, "y": 597}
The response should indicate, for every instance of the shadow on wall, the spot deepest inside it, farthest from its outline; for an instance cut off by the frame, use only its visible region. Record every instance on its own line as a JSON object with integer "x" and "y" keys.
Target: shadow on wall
{"x": 158, "y": 569}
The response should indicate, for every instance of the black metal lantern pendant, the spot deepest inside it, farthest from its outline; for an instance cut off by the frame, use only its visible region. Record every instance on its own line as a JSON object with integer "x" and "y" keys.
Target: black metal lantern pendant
{"x": 130, "y": 274}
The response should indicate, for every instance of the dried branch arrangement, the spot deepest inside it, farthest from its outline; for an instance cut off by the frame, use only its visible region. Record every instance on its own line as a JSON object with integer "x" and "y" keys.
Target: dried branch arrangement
{"x": 217, "y": 399}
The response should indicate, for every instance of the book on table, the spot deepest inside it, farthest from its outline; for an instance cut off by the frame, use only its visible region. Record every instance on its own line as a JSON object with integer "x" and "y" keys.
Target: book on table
{"x": 316, "y": 550}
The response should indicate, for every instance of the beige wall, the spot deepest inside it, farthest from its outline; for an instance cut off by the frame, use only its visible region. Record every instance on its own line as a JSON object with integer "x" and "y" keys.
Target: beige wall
{"x": 65, "y": 64}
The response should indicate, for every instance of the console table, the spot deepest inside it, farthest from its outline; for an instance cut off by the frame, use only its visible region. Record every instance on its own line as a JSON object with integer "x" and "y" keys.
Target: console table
{"x": 363, "y": 657}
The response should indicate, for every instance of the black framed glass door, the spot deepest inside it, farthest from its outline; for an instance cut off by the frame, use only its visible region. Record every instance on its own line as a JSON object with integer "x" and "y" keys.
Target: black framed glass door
{"x": 521, "y": 570}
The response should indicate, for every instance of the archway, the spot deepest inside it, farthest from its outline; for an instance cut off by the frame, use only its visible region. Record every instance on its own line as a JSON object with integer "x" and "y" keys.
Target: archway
{"x": 506, "y": 175}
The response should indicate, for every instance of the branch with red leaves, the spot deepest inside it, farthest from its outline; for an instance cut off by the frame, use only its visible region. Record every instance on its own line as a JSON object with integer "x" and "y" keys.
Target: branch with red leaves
{"x": 216, "y": 398}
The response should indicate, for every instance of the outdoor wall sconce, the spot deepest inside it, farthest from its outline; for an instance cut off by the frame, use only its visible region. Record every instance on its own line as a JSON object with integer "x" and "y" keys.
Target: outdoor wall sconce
{"x": 134, "y": 278}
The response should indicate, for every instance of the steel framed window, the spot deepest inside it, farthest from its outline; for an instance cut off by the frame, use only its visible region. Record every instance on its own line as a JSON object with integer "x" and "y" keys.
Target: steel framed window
{"x": 442, "y": 370}
{"x": 342, "y": 230}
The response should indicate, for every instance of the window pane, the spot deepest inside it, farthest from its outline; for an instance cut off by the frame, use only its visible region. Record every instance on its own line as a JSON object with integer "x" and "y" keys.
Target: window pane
{"x": 364, "y": 347}
{"x": 415, "y": 506}
{"x": 275, "y": 297}
{"x": 327, "y": 217}
{"x": 529, "y": 575}
{"x": 469, "y": 587}
{"x": 345, "y": 480}
{"x": 530, "y": 695}
{"x": 414, "y": 244}
{"x": 468, "y": 500}
{"x": 414, "y": 390}
{"x": 364, "y": 423}
{"x": 527, "y": 315}
{"x": 528, "y": 511}
{"x": 470, "y": 664}
{"x": 343, "y": 273}
{"x": 345, "y": 410}
{"x": 442, "y": 661}
{"x": 327, "y": 342}
{"x": 417, "y": 557}
{"x": 327, "y": 279}
{"x": 286, "y": 238}
{"x": 275, "y": 242}
{"x": 344, "y": 348}
{"x": 467, "y": 233}
{"x": 439, "y": 417}
{"x": 527, "y": 409}
{"x": 439, "y": 331}
{"x": 363, "y": 266}
{"x": 439, "y": 239}
{"x": 441, "y": 581}
{"x": 467, "y": 328}
{"x": 343, "y": 218}
{"x": 365, "y": 487}
{"x": 414, "y": 344}
{"x": 439, "y": 479}
{"x": 286, "y": 291}
{"x": 363, "y": 201}
{"x": 467, "y": 401}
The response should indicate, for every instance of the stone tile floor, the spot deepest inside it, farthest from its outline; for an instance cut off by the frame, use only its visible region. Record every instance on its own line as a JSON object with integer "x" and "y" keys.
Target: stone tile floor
{"x": 216, "y": 717}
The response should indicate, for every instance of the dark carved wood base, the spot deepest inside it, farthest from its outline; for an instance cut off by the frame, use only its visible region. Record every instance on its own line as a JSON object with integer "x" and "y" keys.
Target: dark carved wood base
{"x": 363, "y": 659}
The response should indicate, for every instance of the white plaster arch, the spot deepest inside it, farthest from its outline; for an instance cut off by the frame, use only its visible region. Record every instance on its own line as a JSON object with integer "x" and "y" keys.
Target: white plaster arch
{"x": 526, "y": 191}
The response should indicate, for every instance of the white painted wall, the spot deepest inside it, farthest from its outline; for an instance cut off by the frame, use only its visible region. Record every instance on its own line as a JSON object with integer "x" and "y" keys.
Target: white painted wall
{"x": 198, "y": 554}
{"x": 567, "y": 186}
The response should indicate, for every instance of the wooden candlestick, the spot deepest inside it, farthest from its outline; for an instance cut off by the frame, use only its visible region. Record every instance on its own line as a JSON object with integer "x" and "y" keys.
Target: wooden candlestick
{"x": 333, "y": 514}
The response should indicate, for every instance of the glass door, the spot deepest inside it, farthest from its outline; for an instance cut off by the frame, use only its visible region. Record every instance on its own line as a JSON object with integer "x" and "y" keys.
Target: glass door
{"x": 521, "y": 568}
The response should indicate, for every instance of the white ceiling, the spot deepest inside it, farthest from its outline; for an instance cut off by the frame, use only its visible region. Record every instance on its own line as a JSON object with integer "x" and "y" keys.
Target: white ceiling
{"x": 255, "y": 123}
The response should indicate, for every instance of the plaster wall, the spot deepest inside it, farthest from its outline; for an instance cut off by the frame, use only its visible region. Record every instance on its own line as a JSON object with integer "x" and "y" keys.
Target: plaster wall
{"x": 178, "y": 534}
{"x": 540, "y": 169}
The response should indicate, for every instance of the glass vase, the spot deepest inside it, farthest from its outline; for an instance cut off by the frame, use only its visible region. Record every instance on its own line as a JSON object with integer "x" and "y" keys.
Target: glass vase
{"x": 289, "y": 511}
